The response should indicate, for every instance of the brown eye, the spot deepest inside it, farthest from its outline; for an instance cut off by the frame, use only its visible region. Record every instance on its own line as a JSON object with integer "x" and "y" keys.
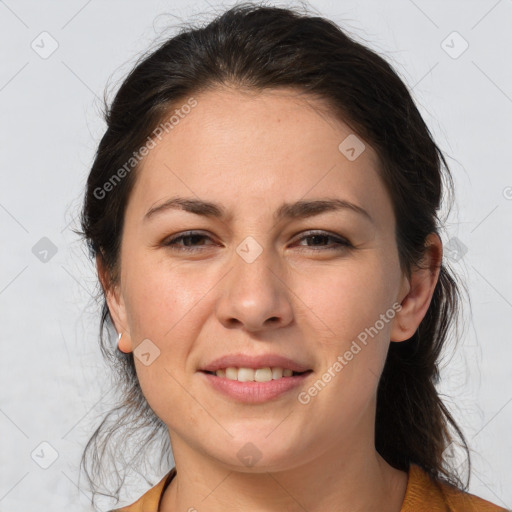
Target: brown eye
{"x": 318, "y": 239}
{"x": 188, "y": 242}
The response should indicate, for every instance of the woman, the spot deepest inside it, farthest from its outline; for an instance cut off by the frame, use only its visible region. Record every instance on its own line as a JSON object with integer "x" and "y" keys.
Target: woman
{"x": 262, "y": 209}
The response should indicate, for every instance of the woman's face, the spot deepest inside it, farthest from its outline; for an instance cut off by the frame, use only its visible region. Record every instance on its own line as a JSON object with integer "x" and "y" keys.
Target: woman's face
{"x": 265, "y": 277}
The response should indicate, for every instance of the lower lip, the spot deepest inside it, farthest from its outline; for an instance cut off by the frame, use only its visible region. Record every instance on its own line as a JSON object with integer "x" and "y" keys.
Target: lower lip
{"x": 255, "y": 392}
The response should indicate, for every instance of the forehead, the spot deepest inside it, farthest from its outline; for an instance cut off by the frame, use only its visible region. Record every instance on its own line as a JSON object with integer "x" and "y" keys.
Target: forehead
{"x": 243, "y": 144}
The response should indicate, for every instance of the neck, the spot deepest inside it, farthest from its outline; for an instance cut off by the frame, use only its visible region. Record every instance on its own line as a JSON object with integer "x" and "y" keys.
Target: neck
{"x": 360, "y": 480}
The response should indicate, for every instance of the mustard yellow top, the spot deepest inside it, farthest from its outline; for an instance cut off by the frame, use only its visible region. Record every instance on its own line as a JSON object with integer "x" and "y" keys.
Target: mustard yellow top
{"x": 423, "y": 494}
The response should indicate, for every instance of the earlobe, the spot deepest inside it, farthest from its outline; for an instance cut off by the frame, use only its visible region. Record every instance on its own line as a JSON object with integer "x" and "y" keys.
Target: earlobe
{"x": 123, "y": 344}
{"x": 422, "y": 283}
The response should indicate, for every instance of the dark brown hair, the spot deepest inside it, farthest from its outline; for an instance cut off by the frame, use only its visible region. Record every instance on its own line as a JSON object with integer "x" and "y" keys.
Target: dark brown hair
{"x": 259, "y": 47}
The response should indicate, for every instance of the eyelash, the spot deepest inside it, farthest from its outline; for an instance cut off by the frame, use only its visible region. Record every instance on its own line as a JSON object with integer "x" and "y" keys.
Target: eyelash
{"x": 341, "y": 242}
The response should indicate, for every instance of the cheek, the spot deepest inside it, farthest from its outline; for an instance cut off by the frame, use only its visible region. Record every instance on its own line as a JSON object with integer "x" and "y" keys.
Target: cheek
{"x": 169, "y": 306}
{"x": 160, "y": 297}
{"x": 346, "y": 301}
{"x": 346, "y": 306}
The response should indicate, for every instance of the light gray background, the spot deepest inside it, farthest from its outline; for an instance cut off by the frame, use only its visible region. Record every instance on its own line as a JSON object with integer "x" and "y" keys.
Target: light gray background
{"x": 53, "y": 380}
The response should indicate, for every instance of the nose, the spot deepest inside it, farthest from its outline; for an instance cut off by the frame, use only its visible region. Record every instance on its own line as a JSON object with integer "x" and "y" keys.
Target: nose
{"x": 254, "y": 296}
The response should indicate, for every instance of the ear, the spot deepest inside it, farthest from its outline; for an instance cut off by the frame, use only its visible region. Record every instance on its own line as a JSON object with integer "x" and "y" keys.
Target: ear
{"x": 416, "y": 292}
{"x": 115, "y": 305}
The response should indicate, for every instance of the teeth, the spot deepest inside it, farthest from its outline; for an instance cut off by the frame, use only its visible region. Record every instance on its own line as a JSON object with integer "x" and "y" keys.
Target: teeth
{"x": 277, "y": 373}
{"x": 254, "y": 375}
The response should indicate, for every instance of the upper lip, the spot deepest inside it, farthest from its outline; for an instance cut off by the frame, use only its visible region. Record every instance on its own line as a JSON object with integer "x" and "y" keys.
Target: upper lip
{"x": 247, "y": 361}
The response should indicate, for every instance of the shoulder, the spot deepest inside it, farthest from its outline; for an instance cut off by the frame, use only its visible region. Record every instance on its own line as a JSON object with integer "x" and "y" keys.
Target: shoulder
{"x": 427, "y": 494}
{"x": 150, "y": 500}
{"x": 423, "y": 494}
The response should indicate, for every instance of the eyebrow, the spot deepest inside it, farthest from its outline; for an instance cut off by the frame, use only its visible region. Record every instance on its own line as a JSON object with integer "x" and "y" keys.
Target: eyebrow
{"x": 297, "y": 210}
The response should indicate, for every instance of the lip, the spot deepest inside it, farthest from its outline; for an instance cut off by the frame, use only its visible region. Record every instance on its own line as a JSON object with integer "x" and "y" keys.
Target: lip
{"x": 254, "y": 392}
{"x": 261, "y": 361}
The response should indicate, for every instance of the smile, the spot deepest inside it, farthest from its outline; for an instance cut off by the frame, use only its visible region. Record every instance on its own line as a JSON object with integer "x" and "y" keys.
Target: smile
{"x": 255, "y": 374}
{"x": 230, "y": 382}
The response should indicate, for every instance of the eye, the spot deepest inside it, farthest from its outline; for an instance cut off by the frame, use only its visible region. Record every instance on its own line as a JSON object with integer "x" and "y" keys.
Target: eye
{"x": 317, "y": 237}
{"x": 190, "y": 241}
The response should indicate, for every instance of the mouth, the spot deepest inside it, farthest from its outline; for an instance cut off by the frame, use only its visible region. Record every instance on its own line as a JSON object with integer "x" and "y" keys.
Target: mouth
{"x": 255, "y": 374}
{"x": 254, "y": 379}
{"x": 255, "y": 386}
{"x": 266, "y": 366}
